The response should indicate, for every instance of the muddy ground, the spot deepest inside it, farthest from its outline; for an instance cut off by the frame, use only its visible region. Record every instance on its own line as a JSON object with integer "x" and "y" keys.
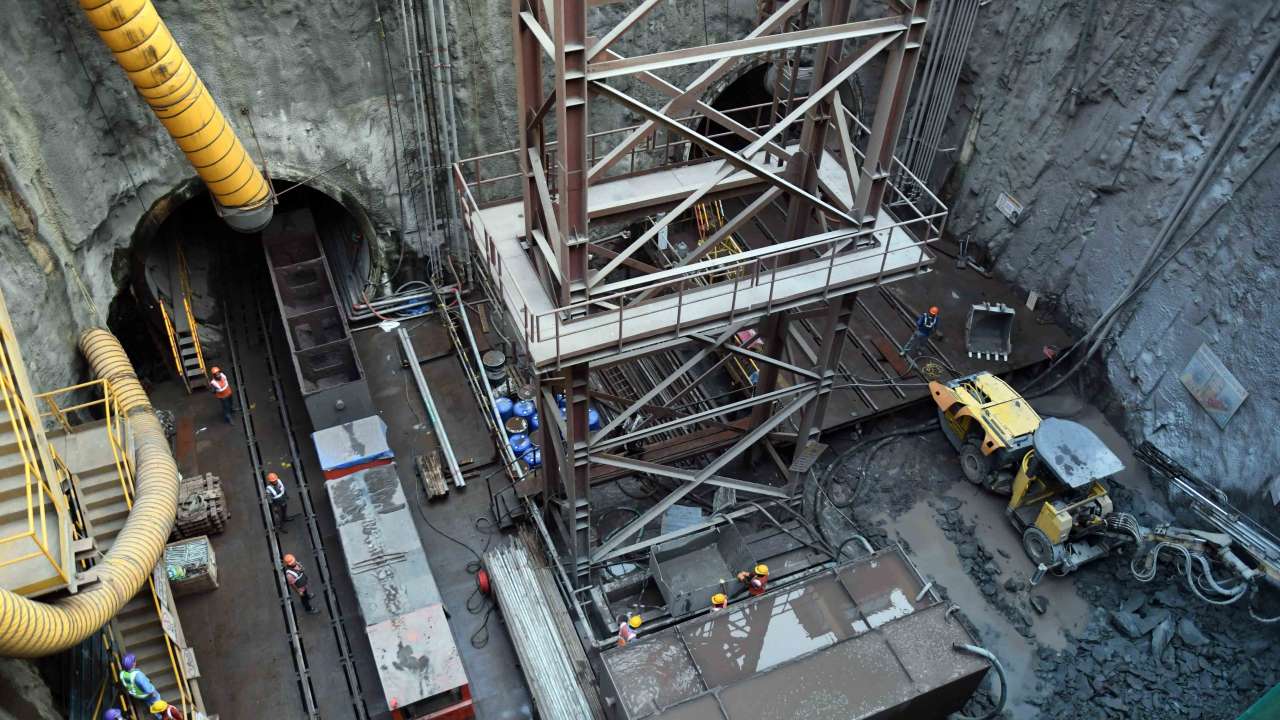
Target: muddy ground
{"x": 1101, "y": 644}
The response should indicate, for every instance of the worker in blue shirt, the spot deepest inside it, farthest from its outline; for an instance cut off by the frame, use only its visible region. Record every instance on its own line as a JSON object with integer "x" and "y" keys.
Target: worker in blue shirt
{"x": 136, "y": 682}
{"x": 924, "y": 328}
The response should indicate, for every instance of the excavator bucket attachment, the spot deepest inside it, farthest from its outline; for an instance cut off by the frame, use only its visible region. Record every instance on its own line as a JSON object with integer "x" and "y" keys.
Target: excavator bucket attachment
{"x": 988, "y": 334}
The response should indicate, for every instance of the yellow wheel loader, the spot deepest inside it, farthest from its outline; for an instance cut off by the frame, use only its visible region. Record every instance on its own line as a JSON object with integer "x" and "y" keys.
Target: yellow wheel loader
{"x": 1051, "y": 470}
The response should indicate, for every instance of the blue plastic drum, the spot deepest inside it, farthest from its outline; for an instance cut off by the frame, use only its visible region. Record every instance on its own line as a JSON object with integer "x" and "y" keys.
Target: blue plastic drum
{"x": 533, "y": 457}
{"x": 593, "y": 419}
{"x": 534, "y": 422}
{"x": 520, "y": 444}
{"x": 560, "y": 400}
{"x": 504, "y": 406}
{"x": 523, "y": 409}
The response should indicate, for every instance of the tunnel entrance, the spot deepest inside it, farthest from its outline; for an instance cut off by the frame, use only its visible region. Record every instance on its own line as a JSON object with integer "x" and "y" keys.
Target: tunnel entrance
{"x": 748, "y": 100}
{"x": 183, "y": 257}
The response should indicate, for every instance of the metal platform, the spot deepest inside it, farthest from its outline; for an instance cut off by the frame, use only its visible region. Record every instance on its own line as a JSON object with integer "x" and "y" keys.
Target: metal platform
{"x": 865, "y": 640}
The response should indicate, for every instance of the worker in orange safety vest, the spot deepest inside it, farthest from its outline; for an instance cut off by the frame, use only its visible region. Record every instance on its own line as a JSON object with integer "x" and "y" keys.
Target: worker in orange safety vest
{"x": 297, "y": 579}
{"x": 221, "y": 388}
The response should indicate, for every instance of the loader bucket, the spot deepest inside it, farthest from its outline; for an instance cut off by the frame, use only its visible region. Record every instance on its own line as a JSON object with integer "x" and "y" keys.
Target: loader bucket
{"x": 988, "y": 334}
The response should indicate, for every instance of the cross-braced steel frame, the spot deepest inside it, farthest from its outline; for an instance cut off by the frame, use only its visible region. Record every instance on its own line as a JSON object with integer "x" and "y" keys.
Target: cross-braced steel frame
{"x": 561, "y": 71}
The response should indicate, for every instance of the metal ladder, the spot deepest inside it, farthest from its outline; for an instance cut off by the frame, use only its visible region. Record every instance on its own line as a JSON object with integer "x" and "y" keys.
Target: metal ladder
{"x": 183, "y": 331}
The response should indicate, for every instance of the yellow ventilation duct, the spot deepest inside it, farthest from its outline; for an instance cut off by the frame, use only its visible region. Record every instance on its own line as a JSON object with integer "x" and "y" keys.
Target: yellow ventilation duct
{"x": 30, "y": 628}
{"x": 143, "y": 46}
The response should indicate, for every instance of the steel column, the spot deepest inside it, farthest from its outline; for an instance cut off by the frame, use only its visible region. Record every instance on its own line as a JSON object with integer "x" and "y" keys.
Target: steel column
{"x": 895, "y": 88}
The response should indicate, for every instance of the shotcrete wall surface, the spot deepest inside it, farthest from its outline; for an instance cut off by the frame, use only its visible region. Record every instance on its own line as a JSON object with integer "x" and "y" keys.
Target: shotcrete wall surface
{"x": 1155, "y": 86}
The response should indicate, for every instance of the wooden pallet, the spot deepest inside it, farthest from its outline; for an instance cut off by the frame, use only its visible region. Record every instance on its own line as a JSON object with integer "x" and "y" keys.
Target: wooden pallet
{"x": 431, "y": 473}
{"x": 202, "y": 507}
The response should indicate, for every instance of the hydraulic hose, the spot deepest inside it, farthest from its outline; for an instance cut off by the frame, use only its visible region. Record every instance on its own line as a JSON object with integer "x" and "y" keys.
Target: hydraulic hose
{"x": 1004, "y": 682}
{"x": 30, "y": 628}
{"x": 149, "y": 55}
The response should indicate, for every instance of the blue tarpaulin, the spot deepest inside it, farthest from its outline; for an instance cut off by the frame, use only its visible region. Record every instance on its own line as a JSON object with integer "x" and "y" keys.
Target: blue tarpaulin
{"x": 351, "y": 444}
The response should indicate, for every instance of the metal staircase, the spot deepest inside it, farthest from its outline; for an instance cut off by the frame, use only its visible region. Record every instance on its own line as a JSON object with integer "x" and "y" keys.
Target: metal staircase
{"x": 180, "y": 325}
{"x": 36, "y": 554}
{"x": 99, "y": 455}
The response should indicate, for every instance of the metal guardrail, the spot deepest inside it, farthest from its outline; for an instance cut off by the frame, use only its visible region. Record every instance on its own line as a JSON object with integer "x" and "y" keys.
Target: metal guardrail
{"x": 173, "y": 340}
{"x": 38, "y": 486}
{"x": 107, "y": 405}
{"x": 921, "y": 212}
{"x": 184, "y": 275}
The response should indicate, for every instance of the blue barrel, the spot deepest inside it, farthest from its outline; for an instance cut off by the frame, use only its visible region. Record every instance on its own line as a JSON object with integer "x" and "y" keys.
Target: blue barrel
{"x": 560, "y": 400}
{"x": 533, "y": 457}
{"x": 593, "y": 419}
{"x": 503, "y": 404}
{"x": 523, "y": 409}
{"x": 520, "y": 444}
{"x": 534, "y": 422}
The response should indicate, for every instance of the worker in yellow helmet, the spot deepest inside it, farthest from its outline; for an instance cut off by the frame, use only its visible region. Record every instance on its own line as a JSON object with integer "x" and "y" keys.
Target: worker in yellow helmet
{"x": 162, "y": 710}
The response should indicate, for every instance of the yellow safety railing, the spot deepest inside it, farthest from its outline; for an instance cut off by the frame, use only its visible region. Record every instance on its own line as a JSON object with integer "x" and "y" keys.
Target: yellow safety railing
{"x": 184, "y": 276}
{"x": 104, "y": 402}
{"x": 37, "y": 483}
{"x": 173, "y": 339}
{"x": 710, "y": 217}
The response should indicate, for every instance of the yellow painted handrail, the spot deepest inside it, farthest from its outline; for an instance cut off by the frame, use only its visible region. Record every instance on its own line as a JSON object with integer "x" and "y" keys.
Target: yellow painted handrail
{"x": 35, "y": 477}
{"x": 108, "y": 403}
{"x": 173, "y": 340}
{"x": 193, "y": 328}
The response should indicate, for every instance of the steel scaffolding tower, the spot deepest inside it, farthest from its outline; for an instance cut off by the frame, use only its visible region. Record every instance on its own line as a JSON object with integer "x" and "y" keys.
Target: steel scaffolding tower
{"x": 620, "y": 319}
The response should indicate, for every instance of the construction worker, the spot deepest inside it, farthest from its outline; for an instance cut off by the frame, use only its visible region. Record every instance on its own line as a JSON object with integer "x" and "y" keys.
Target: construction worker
{"x": 162, "y": 710}
{"x": 719, "y": 601}
{"x": 297, "y": 579}
{"x": 925, "y": 325}
{"x": 135, "y": 682}
{"x": 627, "y": 629}
{"x": 757, "y": 580}
{"x": 221, "y": 388}
{"x": 277, "y": 501}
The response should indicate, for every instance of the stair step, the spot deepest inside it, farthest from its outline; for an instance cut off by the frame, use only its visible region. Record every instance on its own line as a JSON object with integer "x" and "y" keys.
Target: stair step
{"x": 185, "y": 339}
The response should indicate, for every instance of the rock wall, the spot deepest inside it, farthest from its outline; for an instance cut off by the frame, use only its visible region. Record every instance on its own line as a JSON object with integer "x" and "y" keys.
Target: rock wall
{"x": 82, "y": 159}
{"x": 1153, "y": 83}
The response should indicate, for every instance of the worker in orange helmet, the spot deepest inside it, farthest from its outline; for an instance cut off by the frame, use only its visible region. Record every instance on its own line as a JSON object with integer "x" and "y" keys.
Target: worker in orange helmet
{"x": 925, "y": 325}
{"x": 221, "y": 387}
{"x": 757, "y": 580}
{"x": 277, "y": 501}
{"x": 719, "y": 601}
{"x": 162, "y": 710}
{"x": 297, "y": 579}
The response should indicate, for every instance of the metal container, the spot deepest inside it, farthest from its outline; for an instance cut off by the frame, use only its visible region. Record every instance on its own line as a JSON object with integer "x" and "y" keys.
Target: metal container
{"x": 516, "y": 424}
{"x": 495, "y": 366}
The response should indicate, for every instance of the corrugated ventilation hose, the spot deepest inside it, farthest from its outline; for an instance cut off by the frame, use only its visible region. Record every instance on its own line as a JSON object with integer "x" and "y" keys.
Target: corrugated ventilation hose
{"x": 143, "y": 46}
{"x": 30, "y": 628}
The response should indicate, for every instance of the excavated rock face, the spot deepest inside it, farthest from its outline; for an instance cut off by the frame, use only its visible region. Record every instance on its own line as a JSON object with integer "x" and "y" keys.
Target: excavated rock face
{"x": 81, "y": 160}
{"x": 1154, "y": 84}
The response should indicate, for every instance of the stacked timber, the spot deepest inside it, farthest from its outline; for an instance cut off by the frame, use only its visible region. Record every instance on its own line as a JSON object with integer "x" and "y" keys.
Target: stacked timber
{"x": 431, "y": 473}
{"x": 202, "y": 507}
